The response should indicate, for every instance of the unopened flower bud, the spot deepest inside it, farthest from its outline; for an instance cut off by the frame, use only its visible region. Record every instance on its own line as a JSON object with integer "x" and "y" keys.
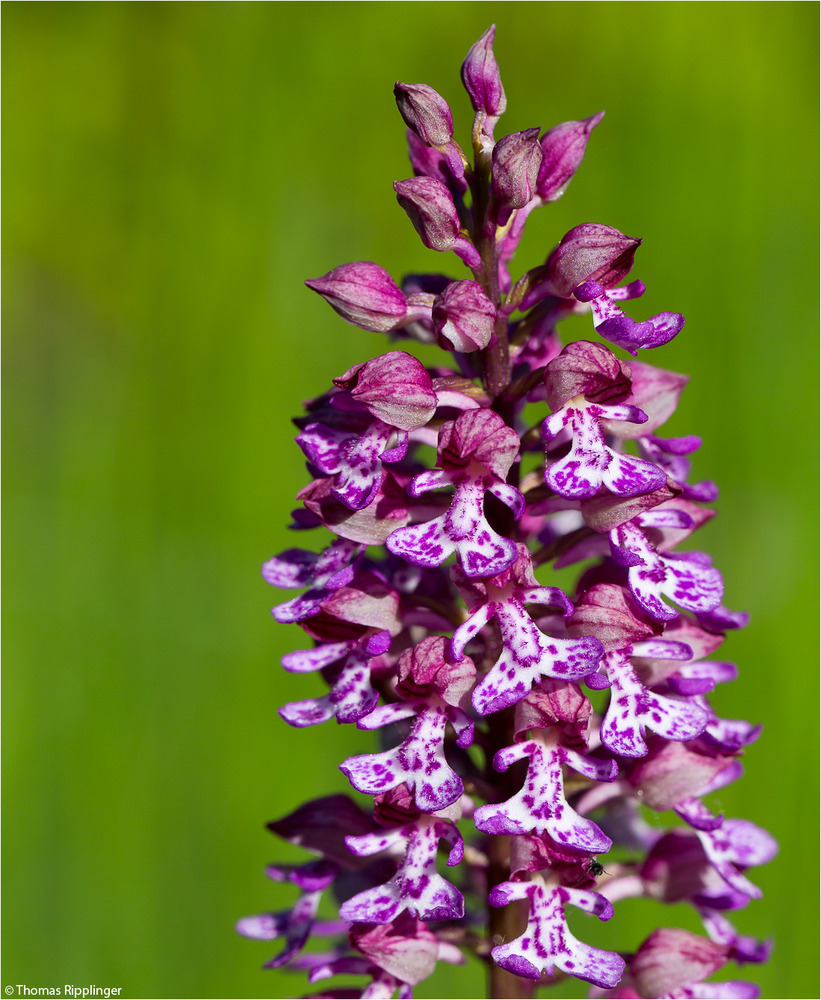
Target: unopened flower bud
{"x": 364, "y": 294}
{"x": 463, "y": 317}
{"x": 516, "y": 161}
{"x": 480, "y": 76}
{"x": 563, "y": 148}
{"x": 431, "y": 210}
{"x": 395, "y": 388}
{"x": 590, "y": 252}
{"x": 425, "y": 112}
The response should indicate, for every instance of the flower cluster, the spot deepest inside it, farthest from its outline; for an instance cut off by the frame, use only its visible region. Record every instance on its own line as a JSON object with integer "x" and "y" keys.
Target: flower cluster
{"x": 526, "y": 732}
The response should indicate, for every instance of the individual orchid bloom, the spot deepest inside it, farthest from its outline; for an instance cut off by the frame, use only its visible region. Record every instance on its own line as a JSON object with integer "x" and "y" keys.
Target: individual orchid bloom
{"x": 481, "y": 79}
{"x": 678, "y": 869}
{"x": 417, "y": 886}
{"x": 355, "y": 460}
{"x": 475, "y": 453}
{"x": 351, "y": 696}
{"x": 633, "y": 706}
{"x": 463, "y": 317}
{"x": 687, "y": 578}
{"x": 540, "y": 806}
{"x": 591, "y": 465}
{"x": 528, "y": 654}
{"x": 322, "y": 573}
{"x": 420, "y": 760}
{"x": 586, "y": 267}
{"x": 434, "y": 686}
{"x": 611, "y": 323}
{"x": 547, "y": 943}
{"x": 397, "y": 392}
{"x": 294, "y": 925}
{"x": 669, "y": 454}
{"x": 735, "y": 846}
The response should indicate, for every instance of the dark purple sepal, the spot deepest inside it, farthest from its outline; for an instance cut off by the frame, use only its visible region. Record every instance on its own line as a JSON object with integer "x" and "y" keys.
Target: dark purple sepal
{"x": 563, "y": 149}
{"x": 547, "y": 942}
{"x": 364, "y": 294}
{"x": 321, "y": 825}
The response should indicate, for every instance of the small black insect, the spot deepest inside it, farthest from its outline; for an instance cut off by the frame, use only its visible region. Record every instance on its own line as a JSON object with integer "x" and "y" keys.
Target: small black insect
{"x": 595, "y": 868}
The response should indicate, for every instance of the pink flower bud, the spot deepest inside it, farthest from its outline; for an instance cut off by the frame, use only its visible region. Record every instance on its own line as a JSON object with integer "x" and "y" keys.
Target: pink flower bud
{"x": 480, "y": 76}
{"x": 563, "y": 148}
{"x": 364, "y": 294}
{"x": 395, "y": 387}
{"x": 463, "y": 317}
{"x": 516, "y": 161}
{"x": 431, "y": 210}
{"x": 425, "y": 112}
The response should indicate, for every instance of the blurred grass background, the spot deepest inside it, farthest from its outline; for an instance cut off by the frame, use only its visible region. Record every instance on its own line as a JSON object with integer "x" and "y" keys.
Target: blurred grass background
{"x": 173, "y": 171}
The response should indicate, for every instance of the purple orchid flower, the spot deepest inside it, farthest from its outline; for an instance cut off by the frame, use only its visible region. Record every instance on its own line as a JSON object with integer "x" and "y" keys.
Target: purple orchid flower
{"x": 525, "y": 735}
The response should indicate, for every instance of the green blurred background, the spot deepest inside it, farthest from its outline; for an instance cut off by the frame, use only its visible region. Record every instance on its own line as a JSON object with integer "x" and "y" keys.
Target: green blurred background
{"x": 173, "y": 171}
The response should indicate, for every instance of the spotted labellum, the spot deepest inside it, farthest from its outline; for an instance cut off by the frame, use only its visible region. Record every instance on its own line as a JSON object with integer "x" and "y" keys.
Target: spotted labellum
{"x": 540, "y": 750}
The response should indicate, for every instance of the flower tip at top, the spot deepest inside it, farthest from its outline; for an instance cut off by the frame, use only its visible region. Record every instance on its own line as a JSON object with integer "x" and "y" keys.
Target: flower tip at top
{"x": 481, "y": 79}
